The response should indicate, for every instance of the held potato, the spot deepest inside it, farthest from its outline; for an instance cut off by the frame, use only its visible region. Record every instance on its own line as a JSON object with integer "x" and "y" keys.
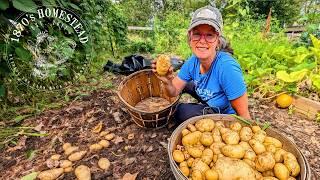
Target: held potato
{"x": 178, "y": 156}
{"x": 233, "y": 151}
{"x": 191, "y": 139}
{"x": 206, "y": 138}
{"x": 235, "y": 126}
{"x": 281, "y": 171}
{"x": 50, "y": 174}
{"x": 163, "y": 64}
{"x": 231, "y": 137}
{"x": 204, "y": 125}
{"x": 82, "y": 172}
{"x": 207, "y": 156}
{"x": 211, "y": 174}
{"x": 257, "y": 146}
{"x": 265, "y": 162}
{"x": 246, "y": 134}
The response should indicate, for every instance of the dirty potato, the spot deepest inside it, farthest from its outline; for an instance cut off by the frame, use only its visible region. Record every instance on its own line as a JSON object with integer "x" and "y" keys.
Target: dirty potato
{"x": 82, "y": 172}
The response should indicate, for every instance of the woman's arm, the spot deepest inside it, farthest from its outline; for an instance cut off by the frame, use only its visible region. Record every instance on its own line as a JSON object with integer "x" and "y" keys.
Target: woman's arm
{"x": 240, "y": 105}
{"x": 174, "y": 86}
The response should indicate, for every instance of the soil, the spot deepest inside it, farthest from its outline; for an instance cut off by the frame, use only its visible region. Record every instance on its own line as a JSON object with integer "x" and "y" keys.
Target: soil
{"x": 145, "y": 153}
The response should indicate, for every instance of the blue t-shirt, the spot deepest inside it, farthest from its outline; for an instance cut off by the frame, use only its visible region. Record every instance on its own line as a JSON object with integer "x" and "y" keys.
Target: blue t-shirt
{"x": 222, "y": 83}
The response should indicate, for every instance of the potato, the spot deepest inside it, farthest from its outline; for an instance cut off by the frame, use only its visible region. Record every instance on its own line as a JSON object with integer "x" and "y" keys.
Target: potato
{"x": 77, "y": 156}
{"x": 110, "y": 136}
{"x": 211, "y": 174}
{"x": 70, "y": 150}
{"x": 245, "y": 145}
{"x": 257, "y": 146}
{"x": 55, "y": 157}
{"x": 233, "y": 151}
{"x": 250, "y": 163}
{"x": 104, "y": 163}
{"x": 224, "y": 130}
{"x": 183, "y": 163}
{"x": 190, "y": 161}
{"x": 68, "y": 169}
{"x": 163, "y": 64}
{"x": 281, "y": 171}
{"x": 65, "y": 163}
{"x": 185, "y": 170}
{"x": 178, "y": 156}
{"x": 255, "y": 129}
{"x": 231, "y": 137}
{"x": 82, "y": 172}
{"x": 250, "y": 154}
{"x": 199, "y": 165}
{"x": 292, "y": 165}
{"x": 104, "y": 133}
{"x": 216, "y": 147}
{"x": 217, "y": 138}
{"x": 65, "y": 146}
{"x": 235, "y": 126}
{"x": 196, "y": 175}
{"x": 278, "y": 155}
{"x": 246, "y": 134}
{"x": 258, "y": 175}
{"x": 271, "y": 148}
{"x": 195, "y": 152}
{"x": 229, "y": 168}
{"x": 50, "y": 174}
{"x": 104, "y": 143}
{"x": 215, "y": 131}
{"x": 185, "y": 132}
{"x": 289, "y": 155}
{"x": 207, "y": 156}
{"x": 219, "y": 124}
{"x": 268, "y": 173}
{"x": 269, "y": 178}
{"x": 191, "y": 127}
{"x": 274, "y": 141}
{"x": 291, "y": 178}
{"x": 265, "y": 162}
{"x": 260, "y": 136}
{"x": 204, "y": 125}
{"x": 206, "y": 138}
{"x": 191, "y": 139}
{"x": 95, "y": 147}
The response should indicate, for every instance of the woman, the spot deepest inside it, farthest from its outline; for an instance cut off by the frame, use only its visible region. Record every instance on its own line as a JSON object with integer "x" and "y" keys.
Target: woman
{"x": 211, "y": 76}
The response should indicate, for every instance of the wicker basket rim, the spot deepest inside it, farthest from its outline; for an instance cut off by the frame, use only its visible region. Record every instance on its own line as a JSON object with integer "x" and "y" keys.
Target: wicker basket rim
{"x": 136, "y": 109}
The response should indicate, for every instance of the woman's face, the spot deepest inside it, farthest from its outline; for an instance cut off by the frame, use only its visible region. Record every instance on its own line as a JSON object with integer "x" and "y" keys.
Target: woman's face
{"x": 203, "y": 41}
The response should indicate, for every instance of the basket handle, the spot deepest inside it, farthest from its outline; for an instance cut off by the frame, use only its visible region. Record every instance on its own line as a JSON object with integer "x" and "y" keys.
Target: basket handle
{"x": 204, "y": 112}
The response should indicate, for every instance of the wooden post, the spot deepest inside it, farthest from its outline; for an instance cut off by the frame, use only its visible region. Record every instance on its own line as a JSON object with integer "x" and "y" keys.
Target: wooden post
{"x": 268, "y": 23}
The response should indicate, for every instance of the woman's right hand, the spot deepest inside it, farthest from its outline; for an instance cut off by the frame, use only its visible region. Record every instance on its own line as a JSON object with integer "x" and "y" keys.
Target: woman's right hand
{"x": 167, "y": 79}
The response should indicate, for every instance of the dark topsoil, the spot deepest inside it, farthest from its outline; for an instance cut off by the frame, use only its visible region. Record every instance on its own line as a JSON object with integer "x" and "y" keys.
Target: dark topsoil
{"x": 145, "y": 154}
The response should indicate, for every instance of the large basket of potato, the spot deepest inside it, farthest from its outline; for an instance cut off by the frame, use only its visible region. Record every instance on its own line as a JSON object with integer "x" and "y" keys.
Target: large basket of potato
{"x": 145, "y": 98}
{"x": 221, "y": 147}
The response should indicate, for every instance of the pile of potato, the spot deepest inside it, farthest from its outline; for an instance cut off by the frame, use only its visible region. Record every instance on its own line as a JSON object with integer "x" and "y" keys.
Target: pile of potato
{"x": 212, "y": 151}
{"x": 73, "y": 154}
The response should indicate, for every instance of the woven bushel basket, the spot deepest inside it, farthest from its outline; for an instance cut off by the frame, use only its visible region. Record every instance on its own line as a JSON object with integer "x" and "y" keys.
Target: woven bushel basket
{"x": 139, "y": 86}
{"x": 288, "y": 145}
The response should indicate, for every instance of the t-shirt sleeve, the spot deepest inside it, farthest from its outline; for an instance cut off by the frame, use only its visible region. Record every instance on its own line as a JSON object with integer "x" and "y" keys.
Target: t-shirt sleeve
{"x": 186, "y": 69}
{"x": 231, "y": 79}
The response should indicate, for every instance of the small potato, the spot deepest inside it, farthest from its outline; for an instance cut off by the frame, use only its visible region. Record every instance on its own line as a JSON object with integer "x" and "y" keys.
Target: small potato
{"x": 211, "y": 174}
{"x": 68, "y": 169}
{"x": 77, "y": 156}
{"x": 265, "y": 162}
{"x": 110, "y": 136}
{"x": 217, "y": 138}
{"x": 216, "y": 147}
{"x": 104, "y": 143}
{"x": 260, "y": 136}
{"x": 70, "y": 150}
{"x": 207, "y": 156}
{"x": 196, "y": 175}
{"x": 65, "y": 146}
{"x": 55, "y": 157}
{"x": 104, "y": 133}
{"x": 195, "y": 152}
{"x": 183, "y": 163}
{"x": 289, "y": 155}
{"x": 82, "y": 172}
{"x": 104, "y": 163}
{"x": 219, "y": 124}
{"x": 292, "y": 165}
{"x": 50, "y": 174}
{"x": 268, "y": 173}
{"x": 191, "y": 139}
{"x": 190, "y": 161}
{"x": 250, "y": 163}
{"x": 255, "y": 129}
{"x": 224, "y": 130}
{"x": 206, "y": 138}
{"x": 231, "y": 137}
{"x": 233, "y": 151}
{"x": 235, "y": 126}
{"x": 198, "y": 164}
{"x": 185, "y": 132}
{"x": 191, "y": 127}
{"x": 257, "y": 146}
{"x": 245, "y": 145}
{"x": 178, "y": 156}
{"x": 95, "y": 147}
{"x": 204, "y": 125}
{"x": 281, "y": 171}
{"x": 185, "y": 170}
{"x": 271, "y": 148}
{"x": 215, "y": 131}
{"x": 278, "y": 155}
{"x": 274, "y": 141}
{"x": 65, "y": 163}
{"x": 250, "y": 154}
{"x": 246, "y": 134}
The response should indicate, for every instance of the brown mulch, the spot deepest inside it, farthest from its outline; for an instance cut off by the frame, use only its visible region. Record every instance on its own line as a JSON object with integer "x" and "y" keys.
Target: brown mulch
{"x": 145, "y": 154}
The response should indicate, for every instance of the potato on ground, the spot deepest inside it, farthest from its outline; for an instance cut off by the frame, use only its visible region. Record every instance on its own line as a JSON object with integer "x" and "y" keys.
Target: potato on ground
{"x": 65, "y": 163}
{"x": 82, "y": 172}
{"x": 77, "y": 156}
{"x": 104, "y": 163}
{"x": 95, "y": 147}
{"x": 233, "y": 151}
{"x": 50, "y": 174}
{"x": 229, "y": 168}
{"x": 265, "y": 162}
{"x": 281, "y": 171}
{"x": 65, "y": 146}
{"x": 70, "y": 150}
{"x": 55, "y": 157}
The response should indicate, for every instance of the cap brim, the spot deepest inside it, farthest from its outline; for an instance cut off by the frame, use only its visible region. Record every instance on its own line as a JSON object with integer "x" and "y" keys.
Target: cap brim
{"x": 214, "y": 25}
